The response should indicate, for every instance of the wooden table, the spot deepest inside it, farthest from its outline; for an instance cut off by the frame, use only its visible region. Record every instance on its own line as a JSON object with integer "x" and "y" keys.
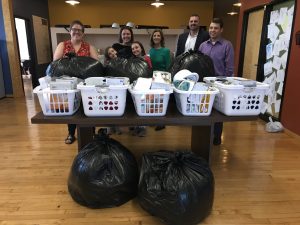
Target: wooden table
{"x": 202, "y": 126}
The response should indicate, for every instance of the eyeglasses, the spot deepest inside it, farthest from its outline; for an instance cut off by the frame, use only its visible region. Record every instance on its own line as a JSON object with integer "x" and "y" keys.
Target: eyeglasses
{"x": 76, "y": 30}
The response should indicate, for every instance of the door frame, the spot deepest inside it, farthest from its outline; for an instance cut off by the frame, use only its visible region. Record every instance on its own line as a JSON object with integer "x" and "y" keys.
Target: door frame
{"x": 243, "y": 41}
{"x": 29, "y": 43}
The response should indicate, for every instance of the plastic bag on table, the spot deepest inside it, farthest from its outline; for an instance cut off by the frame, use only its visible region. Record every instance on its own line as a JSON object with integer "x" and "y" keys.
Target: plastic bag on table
{"x": 132, "y": 68}
{"x": 75, "y": 66}
{"x": 177, "y": 187}
{"x": 195, "y": 62}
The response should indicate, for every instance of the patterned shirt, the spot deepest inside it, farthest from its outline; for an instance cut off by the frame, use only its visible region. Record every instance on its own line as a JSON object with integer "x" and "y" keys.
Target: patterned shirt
{"x": 84, "y": 49}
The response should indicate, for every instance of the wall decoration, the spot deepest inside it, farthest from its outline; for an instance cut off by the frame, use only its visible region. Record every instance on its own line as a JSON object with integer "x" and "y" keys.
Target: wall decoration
{"x": 279, "y": 35}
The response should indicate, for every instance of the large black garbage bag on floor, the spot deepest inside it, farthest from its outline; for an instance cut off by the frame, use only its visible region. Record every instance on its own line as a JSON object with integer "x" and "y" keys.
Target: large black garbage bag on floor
{"x": 177, "y": 187}
{"x": 194, "y": 62}
{"x": 76, "y": 66}
{"x": 132, "y": 68}
{"x": 103, "y": 174}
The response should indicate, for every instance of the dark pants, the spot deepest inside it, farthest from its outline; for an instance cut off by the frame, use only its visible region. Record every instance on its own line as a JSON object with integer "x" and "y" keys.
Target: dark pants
{"x": 218, "y": 128}
{"x": 72, "y": 129}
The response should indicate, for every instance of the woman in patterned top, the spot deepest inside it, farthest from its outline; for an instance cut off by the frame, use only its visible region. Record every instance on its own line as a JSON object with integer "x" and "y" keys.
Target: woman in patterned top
{"x": 79, "y": 47}
{"x": 76, "y": 44}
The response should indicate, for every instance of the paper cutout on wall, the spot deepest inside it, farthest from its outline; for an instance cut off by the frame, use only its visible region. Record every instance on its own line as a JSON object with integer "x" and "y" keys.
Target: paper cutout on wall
{"x": 279, "y": 34}
{"x": 269, "y": 51}
{"x": 268, "y": 68}
{"x": 276, "y": 63}
{"x": 274, "y": 16}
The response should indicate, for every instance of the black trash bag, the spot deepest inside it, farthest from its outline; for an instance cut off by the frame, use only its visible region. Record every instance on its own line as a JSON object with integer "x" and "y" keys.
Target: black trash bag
{"x": 132, "y": 68}
{"x": 103, "y": 174}
{"x": 75, "y": 66}
{"x": 195, "y": 62}
{"x": 177, "y": 187}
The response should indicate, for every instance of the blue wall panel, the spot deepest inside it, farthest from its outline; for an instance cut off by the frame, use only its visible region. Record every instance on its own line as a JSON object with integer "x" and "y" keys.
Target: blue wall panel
{"x": 4, "y": 56}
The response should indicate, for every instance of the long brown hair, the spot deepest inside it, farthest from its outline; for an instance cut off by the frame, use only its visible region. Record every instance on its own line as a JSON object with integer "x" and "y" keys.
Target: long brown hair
{"x": 141, "y": 45}
{"x": 120, "y": 34}
{"x": 162, "y": 41}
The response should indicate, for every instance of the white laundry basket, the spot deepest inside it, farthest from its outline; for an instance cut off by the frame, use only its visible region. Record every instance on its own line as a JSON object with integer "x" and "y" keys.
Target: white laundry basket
{"x": 150, "y": 102}
{"x": 195, "y": 103}
{"x": 238, "y": 96}
{"x": 104, "y": 96}
{"x": 58, "y": 102}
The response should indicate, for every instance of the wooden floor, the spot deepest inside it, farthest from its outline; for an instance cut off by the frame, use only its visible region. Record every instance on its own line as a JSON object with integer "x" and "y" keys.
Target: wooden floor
{"x": 257, "y": 174}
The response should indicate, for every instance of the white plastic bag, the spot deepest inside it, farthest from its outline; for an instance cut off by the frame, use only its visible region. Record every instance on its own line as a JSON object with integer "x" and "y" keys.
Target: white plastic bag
{"x": 273, "y": 127}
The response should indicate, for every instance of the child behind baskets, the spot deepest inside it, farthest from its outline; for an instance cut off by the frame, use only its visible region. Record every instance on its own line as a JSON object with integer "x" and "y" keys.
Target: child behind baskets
{"x": 139, "y": 51}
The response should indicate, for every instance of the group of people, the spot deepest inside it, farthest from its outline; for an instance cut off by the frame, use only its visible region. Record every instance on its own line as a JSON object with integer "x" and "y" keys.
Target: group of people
{"x": 209, "y": 43}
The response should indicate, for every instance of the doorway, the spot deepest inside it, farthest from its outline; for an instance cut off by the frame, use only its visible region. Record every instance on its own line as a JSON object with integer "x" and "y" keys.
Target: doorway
{"x": 250, "y": 62}
{"x": 252, "y": 46}
{"x": 21, "y": 26}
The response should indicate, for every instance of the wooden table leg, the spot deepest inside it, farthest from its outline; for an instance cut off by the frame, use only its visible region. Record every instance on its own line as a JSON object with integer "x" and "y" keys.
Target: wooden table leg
{"x": 201, "y": 142}
{"x": 84, "y": 136}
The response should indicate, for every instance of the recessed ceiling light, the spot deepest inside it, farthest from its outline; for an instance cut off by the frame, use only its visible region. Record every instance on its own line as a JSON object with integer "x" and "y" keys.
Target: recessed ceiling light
{"x": 238, "y": 4}
{"x": 157, "y": 3}
{"x": 232, "y": 13}
{"x": 72, "y": 2}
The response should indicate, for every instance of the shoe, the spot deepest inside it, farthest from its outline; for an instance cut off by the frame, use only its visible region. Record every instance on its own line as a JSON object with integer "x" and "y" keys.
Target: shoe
{"x": 157, "y": 128}
{"x": 103, "y": 132}
{"x": 217, "y": 141}
{"x": 132, "y": 131}
{"x": 110, "y": 130}
{"x": 118, "y": 130}
{"x": 139, "y": 131}
{"x": 70, "y": 139}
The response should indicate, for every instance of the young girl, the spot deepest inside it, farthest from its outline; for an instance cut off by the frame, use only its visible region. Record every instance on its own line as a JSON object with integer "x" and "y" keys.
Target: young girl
{"x": 139, "y": 51}
{"x": 110, "y": 53}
